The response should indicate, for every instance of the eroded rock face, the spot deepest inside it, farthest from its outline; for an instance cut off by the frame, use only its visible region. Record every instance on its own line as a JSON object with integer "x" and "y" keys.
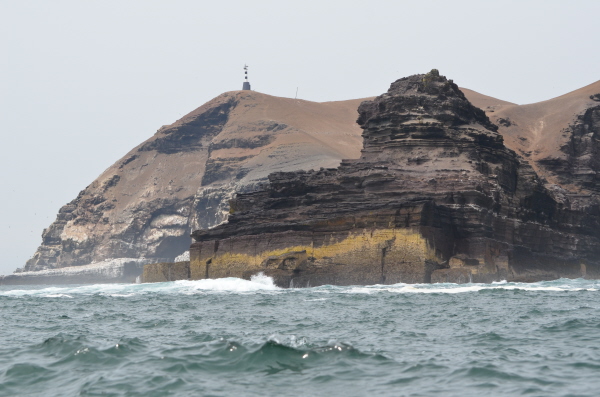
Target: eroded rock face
{"x": 162, "y": 272}
{"x": 557, "y": 137}
{"x": 435, "y": 196}
{"x": 182, "y": 178}
{"x": 580, "y": 163}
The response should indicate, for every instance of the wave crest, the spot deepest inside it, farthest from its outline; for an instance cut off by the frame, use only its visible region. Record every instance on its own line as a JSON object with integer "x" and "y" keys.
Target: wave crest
{"x": 257, "y": 283}
{"x": 263, "y": 284}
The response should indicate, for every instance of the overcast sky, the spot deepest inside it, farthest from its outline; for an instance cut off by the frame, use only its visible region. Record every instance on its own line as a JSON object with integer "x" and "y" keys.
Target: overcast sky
{"x": 83, "y": 82}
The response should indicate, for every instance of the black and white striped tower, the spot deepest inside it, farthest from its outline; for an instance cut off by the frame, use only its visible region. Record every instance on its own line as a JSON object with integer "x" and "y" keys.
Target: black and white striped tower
{"x": 246, "y": 82}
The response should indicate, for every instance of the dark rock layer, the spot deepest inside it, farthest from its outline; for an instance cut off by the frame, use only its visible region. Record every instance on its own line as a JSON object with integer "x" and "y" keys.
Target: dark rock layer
{"x": 435, "y": 196}
{"x": 166, "y": 271}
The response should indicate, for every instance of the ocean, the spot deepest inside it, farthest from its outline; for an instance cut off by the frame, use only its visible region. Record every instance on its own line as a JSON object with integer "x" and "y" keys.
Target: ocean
{"x": 233, "y": 337}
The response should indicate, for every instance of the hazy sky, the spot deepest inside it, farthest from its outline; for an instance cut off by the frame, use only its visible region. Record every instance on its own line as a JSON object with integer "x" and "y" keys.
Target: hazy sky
{"x": 83, "y": 82}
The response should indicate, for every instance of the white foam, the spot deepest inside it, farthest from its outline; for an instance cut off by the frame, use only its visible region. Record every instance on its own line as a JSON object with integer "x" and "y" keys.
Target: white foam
{"x": 414, "y": 289}
{"x": 263, "y": 284}
{"x": 562, "y": 285}
{"x": 57, "y": 296}
{"x": 260, "y": 278}
{"x": 257, "y": 283}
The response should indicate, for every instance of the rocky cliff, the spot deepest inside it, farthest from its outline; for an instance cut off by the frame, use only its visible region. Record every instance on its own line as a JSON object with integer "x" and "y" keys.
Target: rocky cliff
{"x": 435, "y": 196}
{"x": 181, "y": 179}
{"x": 558, "y": 137}
{"x": 143, "y": 208}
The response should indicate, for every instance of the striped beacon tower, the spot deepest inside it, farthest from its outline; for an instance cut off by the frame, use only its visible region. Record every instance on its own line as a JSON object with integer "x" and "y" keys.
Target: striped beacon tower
{"x": 246, "y": 82}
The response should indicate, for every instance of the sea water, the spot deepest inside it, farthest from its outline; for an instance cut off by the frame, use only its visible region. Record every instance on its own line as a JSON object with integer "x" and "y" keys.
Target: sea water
{"x": 233, "y": 337}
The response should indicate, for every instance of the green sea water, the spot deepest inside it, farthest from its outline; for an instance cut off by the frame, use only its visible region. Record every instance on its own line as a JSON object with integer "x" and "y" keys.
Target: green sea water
{"x": 233, "y": 337}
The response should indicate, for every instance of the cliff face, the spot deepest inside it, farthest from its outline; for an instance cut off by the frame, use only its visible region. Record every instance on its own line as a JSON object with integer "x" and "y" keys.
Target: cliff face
{"x": 147, "y": 204}
{"x": 578, "y": 163}
{"x": 558, "y": 137}
{"x": 181, "y": 179}
{"x": 435, "y": 196}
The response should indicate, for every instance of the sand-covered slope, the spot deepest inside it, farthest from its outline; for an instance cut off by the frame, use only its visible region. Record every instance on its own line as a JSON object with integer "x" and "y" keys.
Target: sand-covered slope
{"x": 558, "y": 136}
{"x": 147, "y": 203}
{"x": 487, "y": 103}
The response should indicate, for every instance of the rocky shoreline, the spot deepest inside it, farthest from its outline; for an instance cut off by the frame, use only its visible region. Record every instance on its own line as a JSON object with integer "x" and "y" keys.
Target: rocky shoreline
{"x": 436, "y": 196}
{"x": 439, "y": 194}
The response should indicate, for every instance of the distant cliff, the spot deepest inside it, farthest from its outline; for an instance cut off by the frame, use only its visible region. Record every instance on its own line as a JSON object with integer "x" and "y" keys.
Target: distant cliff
{"x": 435, "y": 196}
{"x": 143, "y": 208}
{"x": 181, "y": 179}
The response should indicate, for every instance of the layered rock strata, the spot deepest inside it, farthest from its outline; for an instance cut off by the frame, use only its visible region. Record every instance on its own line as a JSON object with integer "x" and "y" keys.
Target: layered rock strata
{"x": 181, "y": 179}
{"x": 436, "y": 196}
{"x": 166, "y": 271}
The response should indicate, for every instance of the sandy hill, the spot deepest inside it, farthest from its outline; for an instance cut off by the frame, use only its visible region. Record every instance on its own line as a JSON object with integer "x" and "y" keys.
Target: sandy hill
{"x": 147, "y": 203}
{"x": 487, "y": 103}
{"x": 556, "y": 136}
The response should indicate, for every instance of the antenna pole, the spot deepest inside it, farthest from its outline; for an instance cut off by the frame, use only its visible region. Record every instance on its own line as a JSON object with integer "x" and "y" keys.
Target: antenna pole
{"x": 246, "y": 86}
{"x": 296, "y": 93}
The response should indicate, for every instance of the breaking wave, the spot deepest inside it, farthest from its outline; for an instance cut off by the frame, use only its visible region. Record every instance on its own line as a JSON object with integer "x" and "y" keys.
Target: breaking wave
{"x": 263, "y": 284}
{"x": 561, "y": 285}
{"x": 258, "y": 283}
